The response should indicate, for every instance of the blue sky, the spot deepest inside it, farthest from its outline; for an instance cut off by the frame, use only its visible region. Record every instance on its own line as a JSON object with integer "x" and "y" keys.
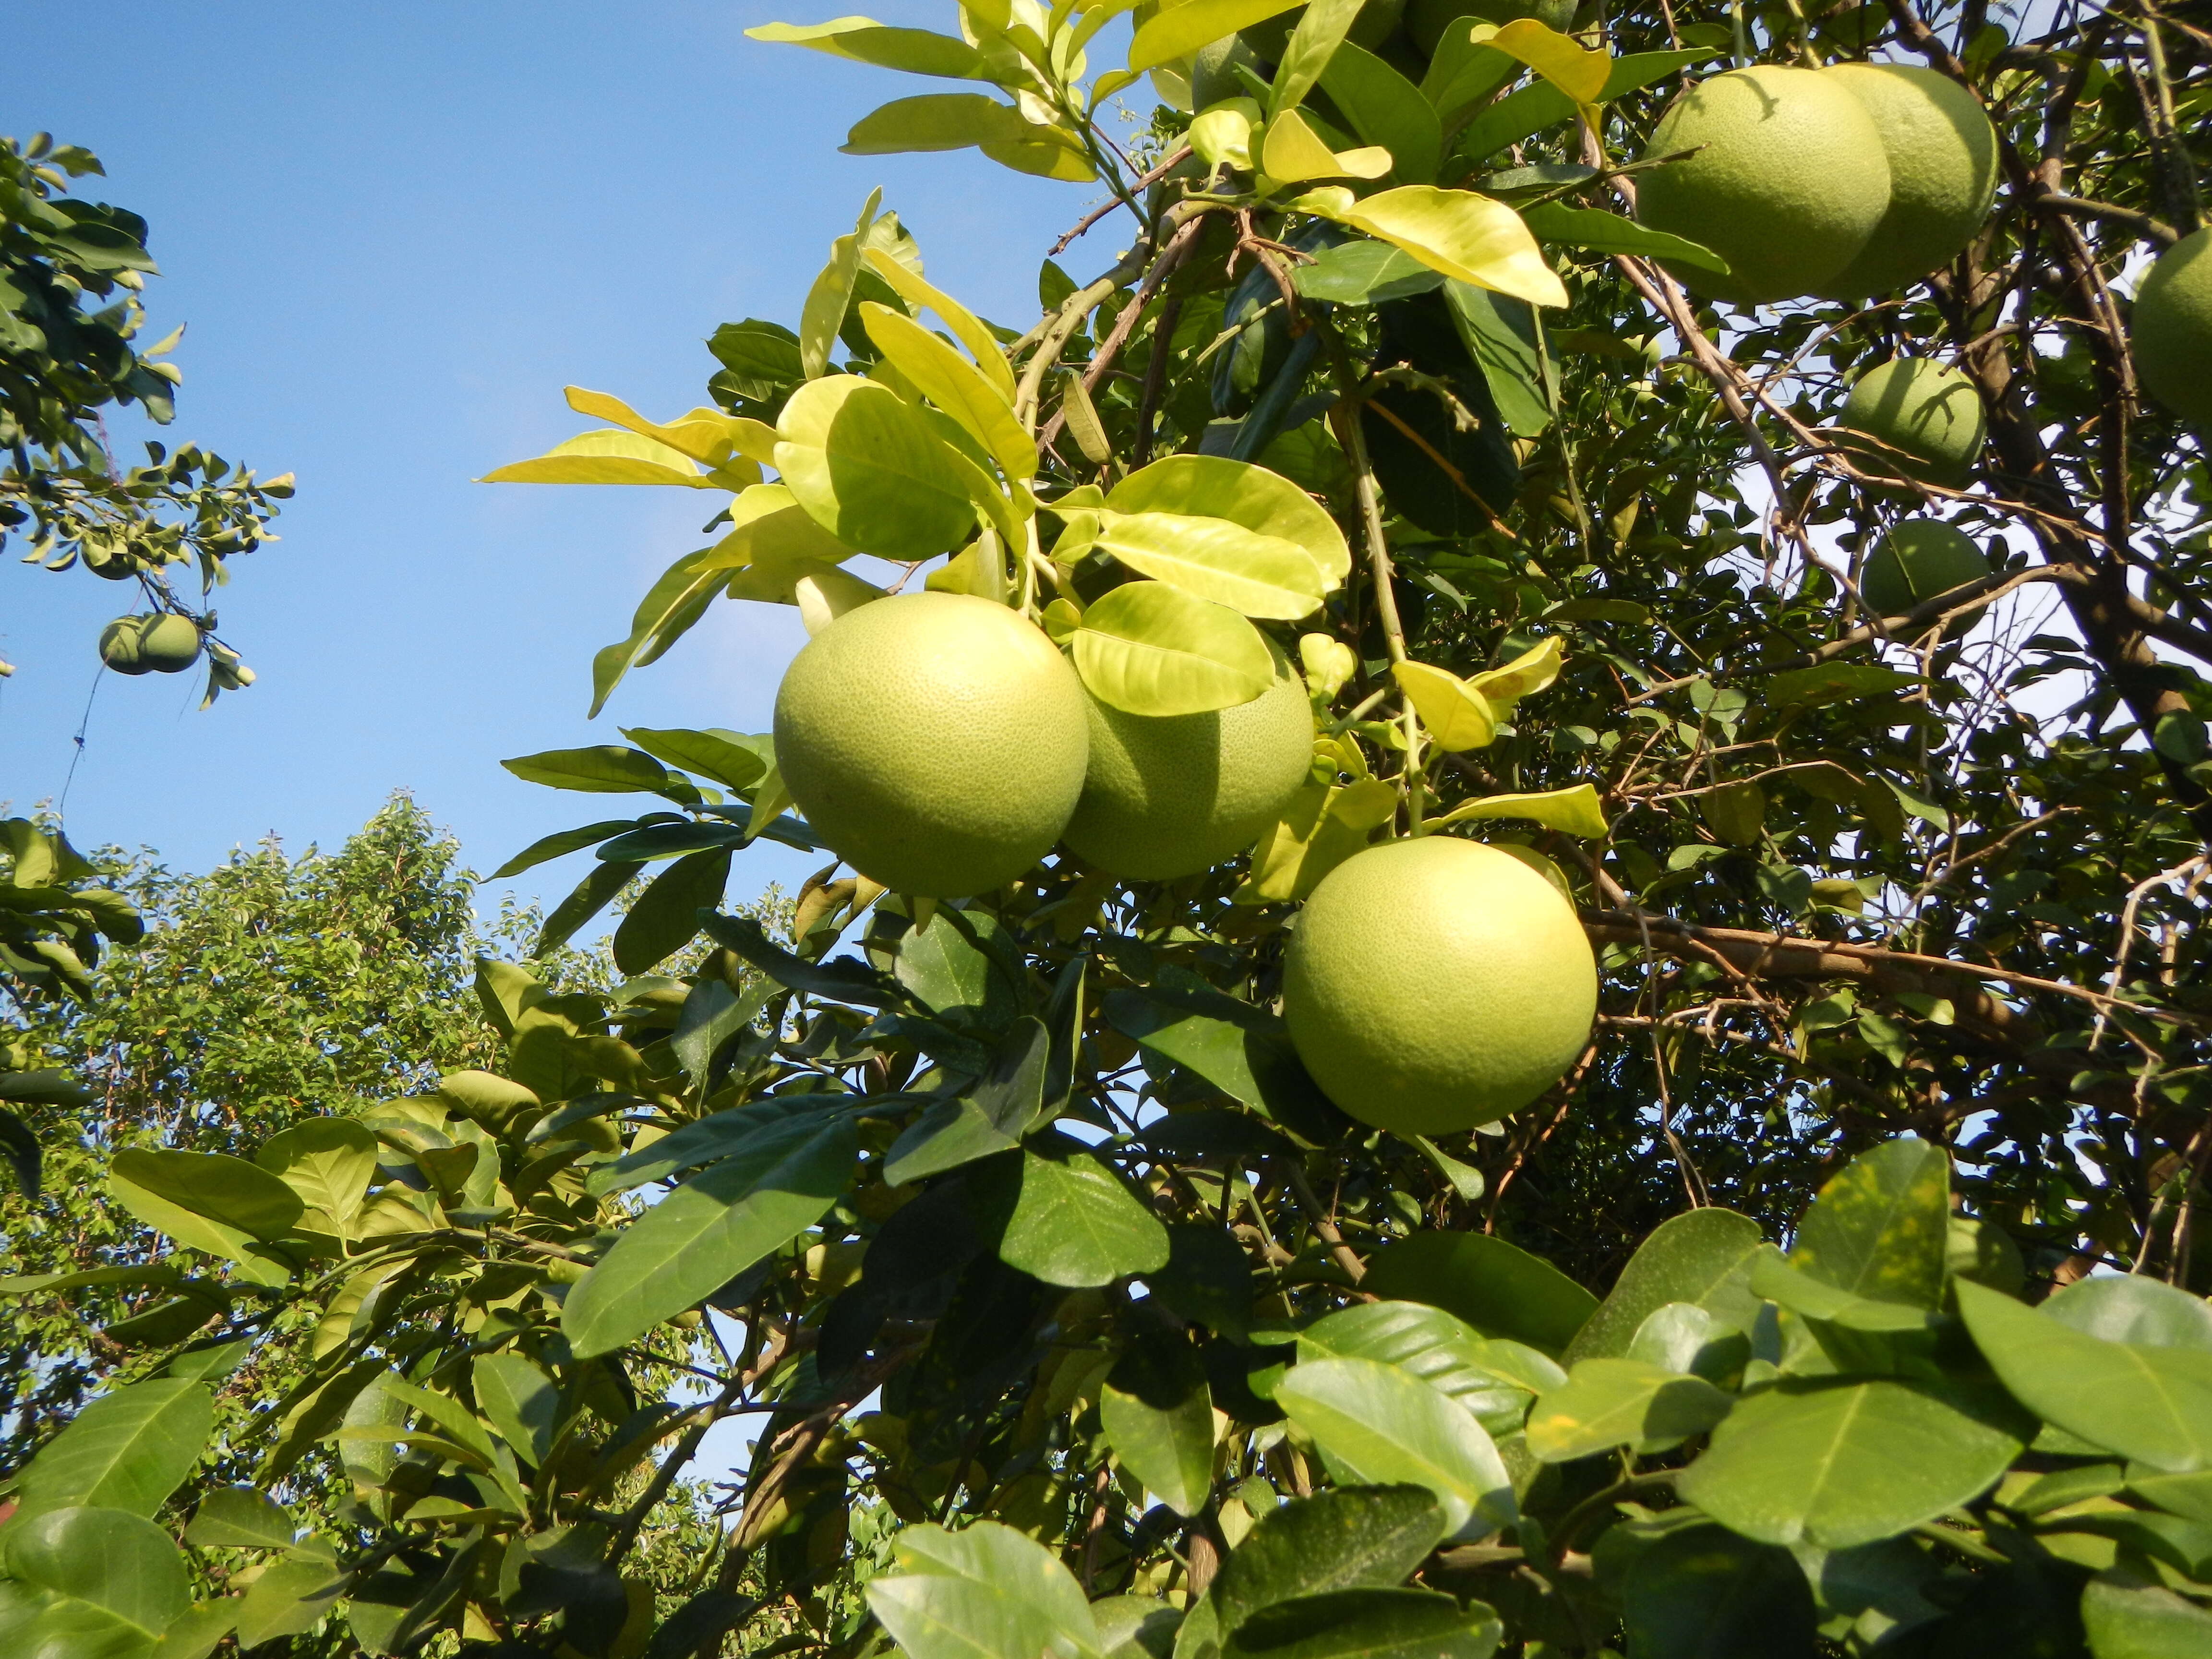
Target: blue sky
{"x": 396, "y": 231}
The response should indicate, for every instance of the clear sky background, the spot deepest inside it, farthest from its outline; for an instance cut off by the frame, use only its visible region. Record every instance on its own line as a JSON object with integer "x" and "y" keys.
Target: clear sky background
{"x": 396, "y": 231}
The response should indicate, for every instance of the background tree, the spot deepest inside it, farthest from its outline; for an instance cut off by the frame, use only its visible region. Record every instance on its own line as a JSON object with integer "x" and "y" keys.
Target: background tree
{"x": 1895, "y": 906}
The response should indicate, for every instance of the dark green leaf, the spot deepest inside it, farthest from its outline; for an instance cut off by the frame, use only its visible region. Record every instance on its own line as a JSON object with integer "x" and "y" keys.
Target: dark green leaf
{"x": 834, "y": 981}
{"x": 1605, "y": 1403}
{"x": 1073, "y": 1222}
{"x": 1368, "y": 1624}
{"x": 665, "y": 917}
{"x": 590, "y": 895}
{"x": 1158, "y": 1417}
{"x": 731, "y": 758}
{"x": 1345, "y": 1539}
{"x": 1496, "y": 1287}
{"x": 1702, "y": 1256}
{"x": 604, "y": 769}
{"x": 118, "y": 1580}
{"x": 1002, "y": 1106}
{"x": 1700, "y": 1592}
{"x": 568, "y": 840}
{"x": 1378, "y": 1425}
{"x": 709, "y": 1229}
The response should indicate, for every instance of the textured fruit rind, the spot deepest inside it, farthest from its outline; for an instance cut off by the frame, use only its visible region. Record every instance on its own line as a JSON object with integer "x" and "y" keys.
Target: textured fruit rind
{"x": 162, "y": 644}
{"x": 1923, "y": 409}
{"x": 2170, "y": 331}
{"x": 1436, "y": 984}
{"x": 1170, "y": 798}
{"x": 936, "y": 741}
{"x": 1788, "y": 188}
{"x": 1918, "y": 559}
{"x": 1942, "y": 156}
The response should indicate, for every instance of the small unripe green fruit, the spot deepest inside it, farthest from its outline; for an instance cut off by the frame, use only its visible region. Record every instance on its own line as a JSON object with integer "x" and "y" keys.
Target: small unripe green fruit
{"x": 1918, "y": 559}
{"x": 1942, "y": 155}
{"x": 1789, "y": 186}
{"x": 936, "y": 741}
{"x": 161, "y": 644}
{"x": 1213, "y": 78}
{"x": 2170, "y": 331}
{"x": 1736, "y": 812}
{"x": 1930, "y": 413}
{"x": 1170, "y": 797}
{"x": 1427, "y": 20}
{"x": 1435, "y": 984}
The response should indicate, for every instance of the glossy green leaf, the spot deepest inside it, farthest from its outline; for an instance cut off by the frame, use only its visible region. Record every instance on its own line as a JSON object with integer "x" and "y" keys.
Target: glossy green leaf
{"x": 866, "y": 466}
{"x": 1365, "y": 272}
{"x": 1243, "y": 1051}
{"x": 586, "y": 900}
{"x": 1383, "y": 1427}
{"x": 935, "y": 121}
{"x": 611, "y": 457}
{"x": 1702, "y": 1256}
{"x": 1606, "y": 1403}
{"x": 2132, "y": 1308}
{"x": 257, "y": 1263}
{"x": 665, "y": 917}
{"x": 226, "y": 1190}
{"x": 1836, "y": 1464}
{"x": 1074, "y": 1223}
{"x": 1496, "y": 1287}
{"x": 1501, "y": 335}
{"x": 1178, "y": 31}
{"x": 1341, "y": 1539}
{"x": 862, "y": 39}
{"x": 1206, "y": 1279}
{"x": 2127, "y": 1618}
{"x": 1314, "y": 40}
{"x": 1158, "y": 1417}
{"x": 708, "y": 1230}
{"x": 290, "y": 1598}
{"x": 1608, "y": 232}
{"x": 840, "y": 981}
{"x": 992, "y": 1116}
{"x": 1264, "y": 503}
{"x": 1385, "y": 108}
{"x": 195, "y": 1632}
{"x": 1150, "y": 648}
{"x": 985, "y": 1592}
{"x": 240, "y": 1517}
{"x": 1690, "y": 1591}
{"x": 821, "y": 313}
{"x": 117, "y": 1581}
{"x": 603, "y": 769}
{"x": 1880, "y": 1228}
{"x": 2151, "y": 1404}
{"x": 1216, "y": 559}
{"x": 1135, "y": 1627}
{"x": 521, "y": 1401}
{"x": 730, "y": 758}
{"x": 955, "y": 386}
{"x": 1368, "y": 1624}
{"x": 1442, "y": 1350}
{"x": 328, "y": 1162}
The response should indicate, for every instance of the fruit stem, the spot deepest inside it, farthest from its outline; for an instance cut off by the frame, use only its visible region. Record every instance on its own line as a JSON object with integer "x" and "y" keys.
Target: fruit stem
{"x": 1345, "y": 415}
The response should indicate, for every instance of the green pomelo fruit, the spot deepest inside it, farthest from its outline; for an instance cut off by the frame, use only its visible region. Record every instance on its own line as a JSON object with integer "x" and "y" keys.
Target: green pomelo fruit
{"x": 1926, "y": 417}
{"x": 2171, "y": 331}
{"x": 1918, "y": 559}
{"x": 936, "y": 741}
{"x": 1213, "y": 78}
{"x": 1788, "y": 188}
{"x": 119, "y": 646}
{"x": 151, "y": 645}
{"x": 1168, "y": 798}
{"x": 1436, "y": 984}
{"x": 1427, "y": 20}
{"x": 1377, "y": 22}
{"x": 1942, "y": 155}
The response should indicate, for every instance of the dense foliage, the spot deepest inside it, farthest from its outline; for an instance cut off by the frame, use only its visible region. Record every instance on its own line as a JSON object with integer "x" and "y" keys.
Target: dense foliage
{"x": 1070, "y": 1315}
{"x": 71, "y": 275}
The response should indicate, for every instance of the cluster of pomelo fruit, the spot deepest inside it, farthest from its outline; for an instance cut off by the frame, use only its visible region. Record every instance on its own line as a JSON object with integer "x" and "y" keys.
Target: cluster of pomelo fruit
{"x": 941, "y": 745}
{"x": 161, "y": 643}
